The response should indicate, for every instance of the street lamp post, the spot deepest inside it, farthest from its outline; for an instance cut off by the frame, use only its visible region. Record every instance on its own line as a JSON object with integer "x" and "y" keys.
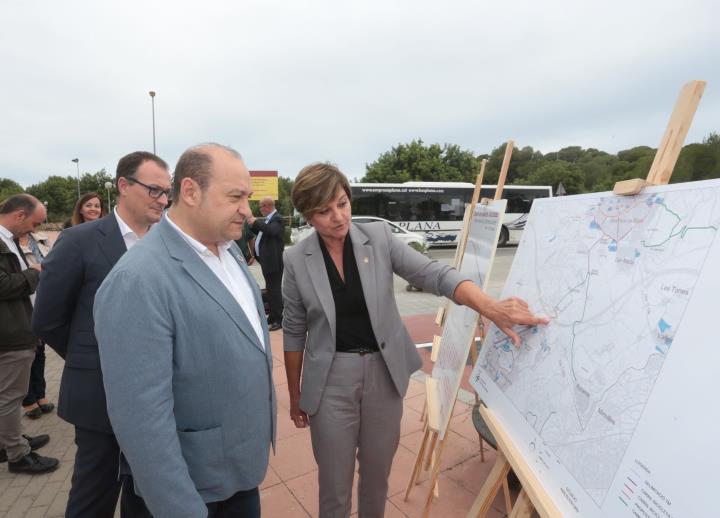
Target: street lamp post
{"x": 77, "y": 163}
{"x": 152, "y": 98}
{"x": 108, "y": 186}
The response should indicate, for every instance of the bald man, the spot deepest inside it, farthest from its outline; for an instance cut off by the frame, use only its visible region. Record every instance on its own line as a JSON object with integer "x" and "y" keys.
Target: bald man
{"x": 269, "y": 246}
{"x": 19, "y": 215}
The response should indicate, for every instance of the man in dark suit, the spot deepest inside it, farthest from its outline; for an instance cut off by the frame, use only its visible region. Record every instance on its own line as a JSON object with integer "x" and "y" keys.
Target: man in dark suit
{"x": 269, "y": 247}
{"x": 63, "y": 318}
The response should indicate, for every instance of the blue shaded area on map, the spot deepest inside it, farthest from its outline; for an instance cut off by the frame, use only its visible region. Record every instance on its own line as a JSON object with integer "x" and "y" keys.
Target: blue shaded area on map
{"x": 594, "y": 225}
{"x": 663, "y": 326}
{"x": 612, "y": 247}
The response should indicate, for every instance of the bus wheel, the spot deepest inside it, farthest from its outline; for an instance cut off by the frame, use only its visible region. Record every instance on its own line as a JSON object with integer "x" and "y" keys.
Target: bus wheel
{"x": 504, "y": 236}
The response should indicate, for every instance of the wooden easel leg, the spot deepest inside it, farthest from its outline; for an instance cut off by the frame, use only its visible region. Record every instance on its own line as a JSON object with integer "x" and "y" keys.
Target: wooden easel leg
{"x": 482, "y": 448}
{"x": 492, "y": 485}
{"x": 506, "y": 492}
{"x": 423, "y": 414}
{"x": 523, "y": 507}
{"x": 418, "y": 464}
{"x": 433, "y": 491}
{"x": 431, "y": 450}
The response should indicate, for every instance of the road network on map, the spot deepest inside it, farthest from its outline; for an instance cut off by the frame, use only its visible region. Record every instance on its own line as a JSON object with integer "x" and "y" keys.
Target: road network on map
{"x": 615, "y": 274}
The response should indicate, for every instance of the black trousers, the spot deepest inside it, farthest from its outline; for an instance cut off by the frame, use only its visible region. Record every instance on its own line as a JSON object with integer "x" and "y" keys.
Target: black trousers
{"x": 273, "y": 285}
{"x": 243, "y": 504}
{"x": 36, "y": 390}
{"x": 95, "y": 486}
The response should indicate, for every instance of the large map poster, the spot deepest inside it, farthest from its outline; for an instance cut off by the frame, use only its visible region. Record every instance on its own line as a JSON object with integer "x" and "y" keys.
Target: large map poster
{"x": 461, "y": 321}
{"x": 614, "y": 403}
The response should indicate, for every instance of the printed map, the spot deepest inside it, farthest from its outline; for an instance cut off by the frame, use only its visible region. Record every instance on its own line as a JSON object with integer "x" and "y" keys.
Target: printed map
{"x": 615, "y": 274}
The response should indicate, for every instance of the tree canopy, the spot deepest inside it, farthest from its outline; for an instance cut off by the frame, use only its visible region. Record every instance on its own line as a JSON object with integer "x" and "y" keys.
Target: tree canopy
{"x": 61, "y": 192}
{"x": 416, "y": 161}
{"x": 9, "y": 187}
{"x": 580, "y": 170}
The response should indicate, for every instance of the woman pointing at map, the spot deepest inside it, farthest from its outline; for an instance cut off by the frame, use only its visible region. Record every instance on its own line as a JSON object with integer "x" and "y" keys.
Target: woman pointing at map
{"x": 343, "y": 332}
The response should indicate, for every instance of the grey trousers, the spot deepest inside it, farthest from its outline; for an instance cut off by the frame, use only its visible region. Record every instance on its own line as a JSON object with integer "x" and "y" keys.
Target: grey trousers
{"x": 14, "y": 381}
{"x": 359, "y": 415}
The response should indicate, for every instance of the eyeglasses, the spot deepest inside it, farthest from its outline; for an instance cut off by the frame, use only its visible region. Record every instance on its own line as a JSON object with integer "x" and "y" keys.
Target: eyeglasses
{"x": 153, "y": 191}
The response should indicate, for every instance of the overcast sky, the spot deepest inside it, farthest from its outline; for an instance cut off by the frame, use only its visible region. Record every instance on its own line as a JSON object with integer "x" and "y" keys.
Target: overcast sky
{"x": 289, "y": 83}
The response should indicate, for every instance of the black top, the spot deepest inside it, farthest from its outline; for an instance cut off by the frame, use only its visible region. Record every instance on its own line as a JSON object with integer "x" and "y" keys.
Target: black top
{"x": 353, "y": 327}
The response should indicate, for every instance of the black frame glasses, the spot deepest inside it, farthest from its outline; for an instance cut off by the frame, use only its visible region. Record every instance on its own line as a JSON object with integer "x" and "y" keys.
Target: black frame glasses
{"x": 154, "y": 191}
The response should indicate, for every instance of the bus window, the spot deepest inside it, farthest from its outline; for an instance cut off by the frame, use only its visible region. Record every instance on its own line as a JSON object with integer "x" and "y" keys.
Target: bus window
{"x": 517, "y": 202}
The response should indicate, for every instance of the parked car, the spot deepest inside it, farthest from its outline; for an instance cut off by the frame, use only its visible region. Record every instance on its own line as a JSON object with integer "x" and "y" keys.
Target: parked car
{"x": 417, "y": 241}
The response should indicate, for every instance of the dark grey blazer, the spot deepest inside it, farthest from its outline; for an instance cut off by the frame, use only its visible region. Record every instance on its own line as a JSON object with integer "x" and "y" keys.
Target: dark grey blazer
{"x": 62, "y": 317}
{"x": 309, "y": 311}
{"x": 188, "y": 382}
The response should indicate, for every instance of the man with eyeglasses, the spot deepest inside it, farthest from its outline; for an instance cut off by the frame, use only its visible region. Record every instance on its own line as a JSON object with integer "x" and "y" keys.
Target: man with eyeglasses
{"x": 63, "y": 318}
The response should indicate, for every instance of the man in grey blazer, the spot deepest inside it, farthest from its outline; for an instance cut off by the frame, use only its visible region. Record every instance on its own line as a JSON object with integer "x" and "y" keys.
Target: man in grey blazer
{"x": 187, "y": 362}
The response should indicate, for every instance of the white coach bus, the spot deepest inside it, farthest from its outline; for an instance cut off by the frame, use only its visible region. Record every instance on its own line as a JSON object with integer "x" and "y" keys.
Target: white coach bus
{"x": 436, "y": 209}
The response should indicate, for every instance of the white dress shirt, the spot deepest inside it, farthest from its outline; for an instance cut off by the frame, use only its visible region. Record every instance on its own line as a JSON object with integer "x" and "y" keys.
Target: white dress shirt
{"x": 259, "y": 236}
{"x": 128, "y": 234}
{"x": 8, "y": 238}
{"x": 228, "y": 271}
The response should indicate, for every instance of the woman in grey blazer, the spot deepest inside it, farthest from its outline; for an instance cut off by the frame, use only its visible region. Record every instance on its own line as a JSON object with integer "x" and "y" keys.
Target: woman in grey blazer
{"x": 343, "y": 332}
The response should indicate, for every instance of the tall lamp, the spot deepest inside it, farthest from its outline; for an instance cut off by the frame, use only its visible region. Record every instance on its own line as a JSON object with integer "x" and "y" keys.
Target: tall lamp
{"x": 108, "y": 186}
{"x": 77, "y": 163}
{"x": 152, "y": 98}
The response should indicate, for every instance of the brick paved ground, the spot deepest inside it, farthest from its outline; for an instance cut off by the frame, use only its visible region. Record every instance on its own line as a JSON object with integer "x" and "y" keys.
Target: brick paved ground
{"x": 290, "y": 488}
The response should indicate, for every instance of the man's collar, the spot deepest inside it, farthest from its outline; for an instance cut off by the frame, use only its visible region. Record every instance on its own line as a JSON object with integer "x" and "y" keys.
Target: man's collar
{"x": 6, "y": 233}
{"x": 194, "y": 243}
{"x": 124, "y": 227}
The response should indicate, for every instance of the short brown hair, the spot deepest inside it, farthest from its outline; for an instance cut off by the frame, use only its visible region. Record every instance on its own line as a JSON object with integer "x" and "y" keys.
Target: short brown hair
{"x": 129, "y": 164}
{"x": 77, "y": 217}
{"x": 316, "y": 185}
{"x": 196, "y": 163}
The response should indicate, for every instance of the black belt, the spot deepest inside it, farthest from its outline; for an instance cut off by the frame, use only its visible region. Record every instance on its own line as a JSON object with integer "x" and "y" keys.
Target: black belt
{"x": 362, "y": 351}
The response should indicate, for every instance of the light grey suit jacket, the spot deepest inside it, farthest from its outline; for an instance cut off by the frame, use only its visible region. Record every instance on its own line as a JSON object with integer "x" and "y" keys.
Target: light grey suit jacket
{"x": 188, "y": 383}
{"x": 309, "y": 309}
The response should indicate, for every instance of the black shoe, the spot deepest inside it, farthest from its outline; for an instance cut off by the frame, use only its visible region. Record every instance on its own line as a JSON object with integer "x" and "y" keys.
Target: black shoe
{"x": 33, "y": 464}
{"x": 46, "y": 408}
{"x": 35, "y": 442}
{"x": 275, "y": 326}
{"x": 34, "y": 413}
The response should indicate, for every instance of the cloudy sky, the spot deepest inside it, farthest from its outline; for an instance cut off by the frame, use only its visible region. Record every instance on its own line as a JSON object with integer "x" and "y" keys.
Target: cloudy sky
{"x": 293, "y": 82}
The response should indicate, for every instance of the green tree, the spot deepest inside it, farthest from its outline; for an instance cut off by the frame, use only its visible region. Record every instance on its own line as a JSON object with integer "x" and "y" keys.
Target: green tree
{"x": 417, "y": 161}
{"x": 552, "y": 172}
{"x": 9, "y": 187}
{"x": 61, "y": 192}
{"x": 636, "y": 153}
{"x": 285, "y": 206}
{"x": 697, "y": 162}
{"x": 522, "y": 163}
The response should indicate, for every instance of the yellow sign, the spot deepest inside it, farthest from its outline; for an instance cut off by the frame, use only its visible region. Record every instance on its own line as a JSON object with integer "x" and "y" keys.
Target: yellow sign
{"x": 264, "y": 184}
